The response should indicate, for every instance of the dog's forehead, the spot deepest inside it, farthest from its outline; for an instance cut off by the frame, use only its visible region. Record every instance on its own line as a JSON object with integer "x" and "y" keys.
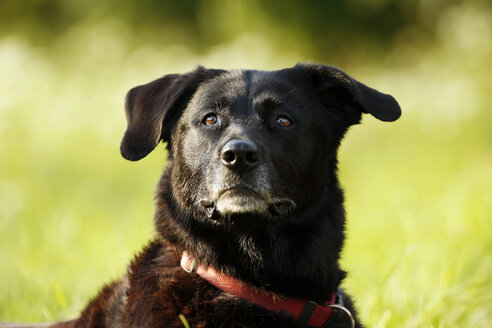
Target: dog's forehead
{"x": 252, "y": 84}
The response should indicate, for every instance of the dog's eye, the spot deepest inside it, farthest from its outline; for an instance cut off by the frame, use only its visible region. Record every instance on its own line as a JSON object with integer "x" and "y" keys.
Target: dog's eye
{"x": 284, "y": 121}
{"x": 210, "y": 119}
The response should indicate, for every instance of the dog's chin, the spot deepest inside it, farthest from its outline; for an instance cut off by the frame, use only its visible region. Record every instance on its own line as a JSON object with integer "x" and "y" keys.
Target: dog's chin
{"x": 231, "y": 204}
{"x": 247, "y": 202}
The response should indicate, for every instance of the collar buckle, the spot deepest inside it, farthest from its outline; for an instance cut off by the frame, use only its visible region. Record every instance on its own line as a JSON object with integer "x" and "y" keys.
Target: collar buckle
{"x": 338, "y": 312}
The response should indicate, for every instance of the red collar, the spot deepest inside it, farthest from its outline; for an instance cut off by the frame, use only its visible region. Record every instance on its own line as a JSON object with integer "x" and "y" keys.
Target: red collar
{"x": 330, "y": 314}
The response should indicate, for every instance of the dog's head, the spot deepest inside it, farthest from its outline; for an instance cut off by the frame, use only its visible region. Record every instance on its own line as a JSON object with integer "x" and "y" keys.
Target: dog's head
{"x": 245, "y": 143}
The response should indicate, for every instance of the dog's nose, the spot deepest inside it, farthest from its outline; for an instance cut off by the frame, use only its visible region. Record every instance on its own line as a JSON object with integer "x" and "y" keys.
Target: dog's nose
{"x": 240, "y": 154}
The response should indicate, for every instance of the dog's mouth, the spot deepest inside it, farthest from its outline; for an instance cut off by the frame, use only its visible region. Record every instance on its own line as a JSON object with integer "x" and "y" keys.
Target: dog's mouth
{"x": 245, "y": 200}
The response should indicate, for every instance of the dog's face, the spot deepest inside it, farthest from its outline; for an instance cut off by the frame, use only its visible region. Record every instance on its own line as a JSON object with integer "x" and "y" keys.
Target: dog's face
{"x": 235, "y": 138}
{"x": 250, "y": 143}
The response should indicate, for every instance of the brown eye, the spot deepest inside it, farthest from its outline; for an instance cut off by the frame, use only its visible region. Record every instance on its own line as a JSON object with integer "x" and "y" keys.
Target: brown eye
{"x": 284, "y": 121}
{"x": 210, "y": 119}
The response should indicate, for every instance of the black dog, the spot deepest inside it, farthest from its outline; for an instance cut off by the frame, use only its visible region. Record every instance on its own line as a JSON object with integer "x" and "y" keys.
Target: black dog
{"x": 249, "y": 202}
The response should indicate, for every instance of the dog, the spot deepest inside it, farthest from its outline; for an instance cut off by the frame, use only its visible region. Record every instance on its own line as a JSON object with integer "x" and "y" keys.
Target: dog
{"x": 250, "y": 216}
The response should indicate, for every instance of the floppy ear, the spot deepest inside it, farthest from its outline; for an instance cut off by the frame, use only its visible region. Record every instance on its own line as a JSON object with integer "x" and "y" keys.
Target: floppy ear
{"x": 382, "y": 106}
{"x": 152, "y": 110}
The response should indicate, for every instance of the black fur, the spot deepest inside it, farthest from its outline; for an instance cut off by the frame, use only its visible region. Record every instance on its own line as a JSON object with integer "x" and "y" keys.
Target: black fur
{"x": 288, "y": 242}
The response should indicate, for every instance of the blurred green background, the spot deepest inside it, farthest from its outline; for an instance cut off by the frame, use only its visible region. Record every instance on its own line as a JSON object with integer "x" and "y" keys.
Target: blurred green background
{"x": 418, "y": 191}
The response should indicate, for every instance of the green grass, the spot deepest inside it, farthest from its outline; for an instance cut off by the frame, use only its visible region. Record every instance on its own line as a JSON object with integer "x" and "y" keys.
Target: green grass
{"x": 419, "y": 208}
{"x": 418, "y": 191}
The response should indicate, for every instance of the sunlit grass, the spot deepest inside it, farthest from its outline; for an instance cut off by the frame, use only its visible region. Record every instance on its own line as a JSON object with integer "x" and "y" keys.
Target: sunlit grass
{"x": 419, "y": 207}
{"x": 418, "y": 195}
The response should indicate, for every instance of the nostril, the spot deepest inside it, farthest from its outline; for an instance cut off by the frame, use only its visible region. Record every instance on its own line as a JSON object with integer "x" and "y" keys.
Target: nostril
{"x": 252, "y": 157}
{"x": 229, "y": 156}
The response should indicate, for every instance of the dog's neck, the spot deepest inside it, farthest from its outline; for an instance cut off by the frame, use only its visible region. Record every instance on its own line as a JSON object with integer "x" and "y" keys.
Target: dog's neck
{"x": 292, "y": 259}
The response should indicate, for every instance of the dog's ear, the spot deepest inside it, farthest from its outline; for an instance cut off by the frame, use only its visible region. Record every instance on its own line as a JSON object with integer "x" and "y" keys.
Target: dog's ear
{"x": 329, "y": 80}
{"x": 152, "y": 110}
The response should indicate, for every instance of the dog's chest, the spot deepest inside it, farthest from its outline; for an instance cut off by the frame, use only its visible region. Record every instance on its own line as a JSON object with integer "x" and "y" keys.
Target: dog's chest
{"x": 160, "y": 292}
